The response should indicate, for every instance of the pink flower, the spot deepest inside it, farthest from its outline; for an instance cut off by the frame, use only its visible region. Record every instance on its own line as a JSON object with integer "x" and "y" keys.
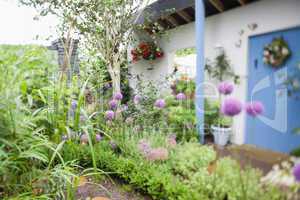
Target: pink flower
{"x": 171, "y": 141}
{"x": 158, "y": 154}
{"x": 113, "y": 104}
{"x": 118, "y": 96}
{"x": 144, "y": 147}
{"x": 296, "y": 172}
{"x": 225, "y": 88}
{"x": 254, "y": 108}
{"x": 98, "y": 137}
{"x": 231, "y": 107}
{"x": 160, "y": 103}
{"x": 109, "y": 115}
{"x": 137, "y": 98}
{"x": 180, "y": 96}
{"x": 113, "y": 145}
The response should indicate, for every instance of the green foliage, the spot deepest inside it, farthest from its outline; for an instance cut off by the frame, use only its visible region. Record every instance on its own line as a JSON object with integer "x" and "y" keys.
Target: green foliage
{"x": 26, "y": 154}
{"x": 182, "y": 121}
{"x": 211, "y": 113}
{"x": 296, "y": 152}
{"x": 145, "y": 114}
{"x": 221, "y": 69}
{"x": 35, "y": 63}
{"x": 186, "y": 52}
{"x": 198, "y": 157}
{"x": 223, "y": 121}
{"x": 185, "y": 175}
{"x": 186, "y": 86}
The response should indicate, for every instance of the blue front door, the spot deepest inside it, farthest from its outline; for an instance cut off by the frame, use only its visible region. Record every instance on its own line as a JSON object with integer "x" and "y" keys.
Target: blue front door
{"x": 275, "y": 129}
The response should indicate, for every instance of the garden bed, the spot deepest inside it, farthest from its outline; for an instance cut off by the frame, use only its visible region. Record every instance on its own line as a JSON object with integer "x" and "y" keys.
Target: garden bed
{"x": 191, "y": 172}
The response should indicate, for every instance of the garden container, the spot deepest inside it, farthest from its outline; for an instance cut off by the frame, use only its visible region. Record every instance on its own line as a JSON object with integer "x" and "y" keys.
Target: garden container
{"x": 221, "y": 135}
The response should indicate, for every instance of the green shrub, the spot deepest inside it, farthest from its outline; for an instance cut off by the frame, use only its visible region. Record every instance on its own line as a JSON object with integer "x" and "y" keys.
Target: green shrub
{"x": 211, "y": 113}
{"x": 191, "y": 157}
{"x": 27, "y": 156}
{"x": 184, "y": 176}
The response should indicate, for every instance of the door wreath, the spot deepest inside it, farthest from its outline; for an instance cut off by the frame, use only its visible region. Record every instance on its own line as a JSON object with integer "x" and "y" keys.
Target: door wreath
{"x": 277, "y": 52}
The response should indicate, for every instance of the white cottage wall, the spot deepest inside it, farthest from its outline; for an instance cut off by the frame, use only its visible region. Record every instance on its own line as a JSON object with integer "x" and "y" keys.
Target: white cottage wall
{"x": 223, "y": 30}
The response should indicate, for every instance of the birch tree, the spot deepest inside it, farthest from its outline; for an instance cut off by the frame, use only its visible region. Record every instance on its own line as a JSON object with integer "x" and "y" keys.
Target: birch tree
{"x": 105, "y": 25}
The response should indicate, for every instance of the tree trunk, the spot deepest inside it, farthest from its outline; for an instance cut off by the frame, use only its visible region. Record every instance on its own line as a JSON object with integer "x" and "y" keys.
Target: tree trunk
{"x": 116, "y": 83}
{"x": 116, "y": 78}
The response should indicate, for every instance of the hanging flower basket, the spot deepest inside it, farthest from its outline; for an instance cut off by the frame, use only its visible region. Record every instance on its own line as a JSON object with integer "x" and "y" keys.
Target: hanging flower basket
{"x": 276, "y": 53}
{"x": 147, "y": 51}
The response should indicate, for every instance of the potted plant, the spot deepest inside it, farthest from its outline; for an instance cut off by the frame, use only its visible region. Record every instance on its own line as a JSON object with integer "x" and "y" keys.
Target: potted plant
{"x": 231, "y": 107}
{"x": 221, "y": 130}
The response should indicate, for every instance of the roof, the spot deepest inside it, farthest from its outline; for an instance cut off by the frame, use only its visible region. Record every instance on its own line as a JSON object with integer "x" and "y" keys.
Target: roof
{"x": 173, "y": 13}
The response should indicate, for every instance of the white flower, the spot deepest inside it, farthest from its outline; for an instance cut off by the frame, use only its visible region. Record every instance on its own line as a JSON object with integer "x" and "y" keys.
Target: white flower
{"x": 296, "y": 84}
{"x": 276, "y": 48}
{"x": 286, "y": 165}
{"x": 287, "y": 181}
{"x": 276, "y": 168}
{"x": 266, "y": 53}
{"x": 272, "y": 60}
{"x": 285, "y": 51}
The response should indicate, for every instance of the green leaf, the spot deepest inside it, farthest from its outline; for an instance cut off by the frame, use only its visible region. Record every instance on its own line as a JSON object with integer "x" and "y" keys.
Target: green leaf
{"x": 296, "y": 131}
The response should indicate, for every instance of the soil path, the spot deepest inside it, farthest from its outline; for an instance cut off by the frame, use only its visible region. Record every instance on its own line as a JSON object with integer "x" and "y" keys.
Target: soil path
{"x": 108, "y": 190}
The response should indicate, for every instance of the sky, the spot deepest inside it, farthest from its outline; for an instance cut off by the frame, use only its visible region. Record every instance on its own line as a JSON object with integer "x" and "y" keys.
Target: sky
{"x": 17, "y": 25}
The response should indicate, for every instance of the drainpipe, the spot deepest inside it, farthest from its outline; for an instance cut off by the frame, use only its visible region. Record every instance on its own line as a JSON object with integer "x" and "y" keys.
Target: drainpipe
{"x": 200, "y": 21}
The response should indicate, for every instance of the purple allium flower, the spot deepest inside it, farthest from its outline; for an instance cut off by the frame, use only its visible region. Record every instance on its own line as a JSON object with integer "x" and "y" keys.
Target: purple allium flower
{"x": 144, "y": 147}
{"x": 73, "y": 104}
{"x": 113, "y": 145}
{"x": 231, "y": 107}
{"x": 136, "y": 99}
{"x": 296, "y": 172}
{"x": 158, "y": 154}
{"x": 118, "y": 96}
{"x": 113, "y": 104}
{"x": 82, "y": 118}
{"x": 254, "y": 108}
{"x": 225, "y": 88}
{"x": 64, "y": 138}
{"x": 125, "y": 107}
{"x": 180, "y": 96}
{"x": 84, "y": 139}
{"x": 107, "y": 85}
{"x": 160, "y": 103}
{"x": 98, "y": 137}
{"x": 109, "y": 115}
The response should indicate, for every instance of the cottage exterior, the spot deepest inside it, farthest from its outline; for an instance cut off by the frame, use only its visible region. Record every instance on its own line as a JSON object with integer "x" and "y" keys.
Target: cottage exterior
{"x": 242, "y": 31}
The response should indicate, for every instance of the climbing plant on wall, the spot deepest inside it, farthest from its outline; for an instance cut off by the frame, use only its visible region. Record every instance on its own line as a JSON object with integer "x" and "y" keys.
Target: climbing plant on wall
{"x": 221, "y": 68}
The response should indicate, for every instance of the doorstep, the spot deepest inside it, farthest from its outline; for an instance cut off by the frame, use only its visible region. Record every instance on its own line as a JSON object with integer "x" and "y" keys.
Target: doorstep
{"x": 248, "y": 155}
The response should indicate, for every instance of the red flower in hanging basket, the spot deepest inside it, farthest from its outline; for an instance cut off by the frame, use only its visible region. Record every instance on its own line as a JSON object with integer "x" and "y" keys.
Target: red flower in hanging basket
{"x": 159, "y": 54}
{"x": 146, "y": 54}
{"x": 147, "y": 51}
{"x": 143, "y": 46}
{"x": 134, "y": 52}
